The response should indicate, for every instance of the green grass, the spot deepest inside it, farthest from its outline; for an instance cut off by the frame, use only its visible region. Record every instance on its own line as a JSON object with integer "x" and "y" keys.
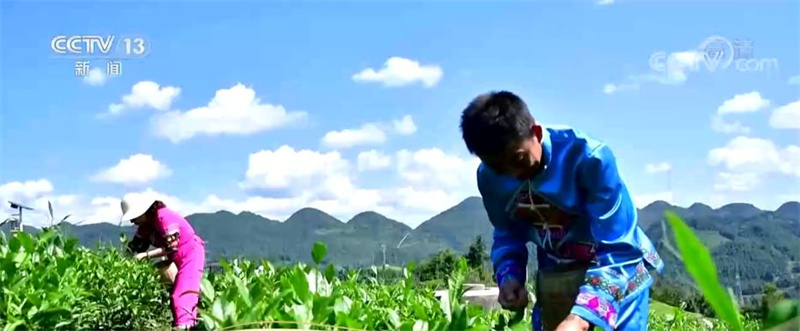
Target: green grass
{"x": 660, "y": 308}
{"x": 712, "y": 239}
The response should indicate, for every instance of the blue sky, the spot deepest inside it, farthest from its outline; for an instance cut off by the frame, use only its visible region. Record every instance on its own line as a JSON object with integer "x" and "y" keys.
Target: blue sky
{"x": 396, "y": 75}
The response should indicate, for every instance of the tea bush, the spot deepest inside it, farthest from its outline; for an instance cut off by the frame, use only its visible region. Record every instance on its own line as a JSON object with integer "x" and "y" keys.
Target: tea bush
{"x": 309, "y": 297}
{"x": 49, "y": 283}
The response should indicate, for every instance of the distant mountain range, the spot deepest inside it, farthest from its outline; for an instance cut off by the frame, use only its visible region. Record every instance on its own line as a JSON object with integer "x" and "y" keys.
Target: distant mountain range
{"x": 760, "y": 245}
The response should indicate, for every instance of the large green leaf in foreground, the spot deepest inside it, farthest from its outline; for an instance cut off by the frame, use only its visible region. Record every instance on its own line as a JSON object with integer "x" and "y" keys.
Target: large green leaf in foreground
{"x": 699, "y": 264}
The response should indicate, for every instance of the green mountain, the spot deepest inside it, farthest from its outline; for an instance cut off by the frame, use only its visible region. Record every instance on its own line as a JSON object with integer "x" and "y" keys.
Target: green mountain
{"x": 760, "y": 245}
{"x": 458, "y": 226}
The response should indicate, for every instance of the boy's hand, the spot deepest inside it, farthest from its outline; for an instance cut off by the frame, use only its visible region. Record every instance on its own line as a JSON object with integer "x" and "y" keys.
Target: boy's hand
{"x": 573, "y": 323}
{"x": 513, "y": 295}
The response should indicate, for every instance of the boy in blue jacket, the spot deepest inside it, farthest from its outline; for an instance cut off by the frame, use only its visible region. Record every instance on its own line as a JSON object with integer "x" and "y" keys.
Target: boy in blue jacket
{"x": 560, "y": 189}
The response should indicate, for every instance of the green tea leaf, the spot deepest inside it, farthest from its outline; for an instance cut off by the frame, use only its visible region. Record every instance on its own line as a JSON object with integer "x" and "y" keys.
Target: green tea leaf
{"x": 207, "y": 290}
{"x": 300, "y": 285}
{"x": 217, "y": 311}
{"x": 330, "y": 273}
{"x": 13, "y": 326}
{"x": 26, "y": 241}
{"x": 318, "y": 252}
{"x": 700, "y": 266}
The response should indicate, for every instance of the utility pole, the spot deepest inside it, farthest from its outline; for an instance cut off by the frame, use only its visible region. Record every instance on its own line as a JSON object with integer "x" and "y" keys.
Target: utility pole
{"x": 383, "y": 249}
{"x": 739, "y": 286}
{"x": 19, "y": 208}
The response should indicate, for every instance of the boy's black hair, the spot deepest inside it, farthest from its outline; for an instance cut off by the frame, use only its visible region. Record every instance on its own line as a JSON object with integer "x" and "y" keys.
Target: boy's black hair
{"x": 492, "y": 121}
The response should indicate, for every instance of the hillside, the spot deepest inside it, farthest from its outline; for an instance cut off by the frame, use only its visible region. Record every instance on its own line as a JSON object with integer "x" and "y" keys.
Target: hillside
{"x": 760, "y": 245}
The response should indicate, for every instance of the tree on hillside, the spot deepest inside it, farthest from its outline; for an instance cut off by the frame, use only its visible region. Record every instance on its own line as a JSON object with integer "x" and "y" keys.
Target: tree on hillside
{"x": 438, "y": 267}
{"x": 668, "y": 291}
{"x": 772, "y": 295}
{"x": 697, "y": 303}
{"x": 477, "y": 256}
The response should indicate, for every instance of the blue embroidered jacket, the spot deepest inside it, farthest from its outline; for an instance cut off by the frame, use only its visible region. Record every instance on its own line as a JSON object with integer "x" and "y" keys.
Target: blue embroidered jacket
{"x": 582, "y": 212}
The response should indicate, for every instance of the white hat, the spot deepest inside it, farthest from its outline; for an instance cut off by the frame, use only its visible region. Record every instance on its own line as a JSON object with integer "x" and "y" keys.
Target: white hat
{"x": 135, "y": 206}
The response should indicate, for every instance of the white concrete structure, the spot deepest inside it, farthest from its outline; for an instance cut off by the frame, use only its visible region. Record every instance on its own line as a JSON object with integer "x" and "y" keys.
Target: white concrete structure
{"x": 486, "y": 297}
{"x": 477, "y": 294}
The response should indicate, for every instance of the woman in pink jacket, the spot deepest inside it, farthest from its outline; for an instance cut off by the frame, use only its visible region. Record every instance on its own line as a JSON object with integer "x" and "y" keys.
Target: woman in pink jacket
{"x": 174, "y": 238}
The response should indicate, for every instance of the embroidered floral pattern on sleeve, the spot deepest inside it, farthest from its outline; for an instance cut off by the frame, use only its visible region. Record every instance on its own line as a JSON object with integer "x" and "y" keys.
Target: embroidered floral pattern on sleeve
{"x": 599, "y": 306}
{"x": 603, "y": 284}
{"x": 641, "y": 276}
{"x": 652, "y": 257}
{"x": 600, "y": 283}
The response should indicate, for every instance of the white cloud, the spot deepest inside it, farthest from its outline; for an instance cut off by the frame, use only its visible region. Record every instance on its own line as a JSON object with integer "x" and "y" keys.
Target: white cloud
{"x": 745, "y": 161}
{"x": 281, "y": 208}
{"x": 743, "y": 103}
{"x": 790, "y": 164}
{"x": 136, "y": 170}
{"x": 434, "y": 180}
{"x": 433, "y": 167}
{"x": 234, "y": 111}
{"x": 96, "y": 77}
{"x": 145, "y": 94}
{"x": 426, "y": 200}
{"x": 642, "y": 200}
{"x": 172, "y": 202}
{"x": 616, "y": 88}
{"x": 786, "y": 117}
{"x": 745, "y": 154}
{"x": 429, "y": 181}
{"x": 657, "y": 168}
{"x": 670, "y": 68}
{"x": 373, "y": 160}
{"x": 287, "y": 168}
{"x": 107, "y": 209}
{"x": 398, "y": 71}
{"x": 305, "y": 178}
{"x": 279, "y": 182}
{"x": 737, "y": 182}
{"x": 678, "y": 65}
{"x": 604, "y": 2}
{"x": 718, "y": 124}
{"x": 794, "y": 80}
{"x": 405, "y": 125}
{"x": 367, "y": 134}
{"x": 740, "y": 103}
{"x": 82, "y": 210}
{"x": 33, "y": 194}
{"x": 789, "y": 197}
{"x": 29, "y": 190}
